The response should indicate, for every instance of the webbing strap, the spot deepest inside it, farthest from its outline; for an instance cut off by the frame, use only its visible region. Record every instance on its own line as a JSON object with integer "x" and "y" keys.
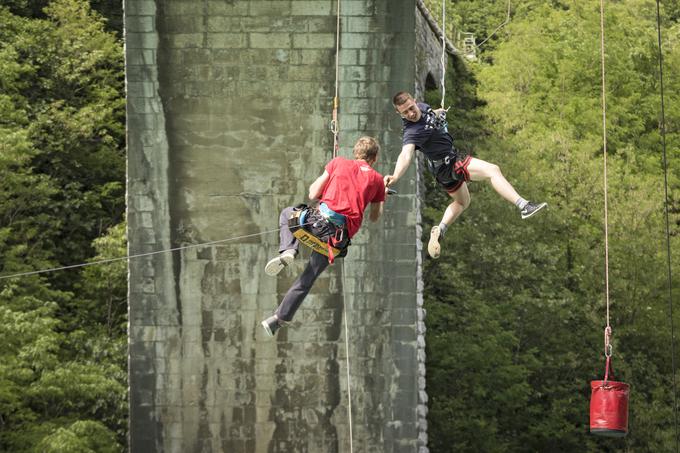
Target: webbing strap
{"x": 310, "y": 240}
{"x": 313, "y": 242}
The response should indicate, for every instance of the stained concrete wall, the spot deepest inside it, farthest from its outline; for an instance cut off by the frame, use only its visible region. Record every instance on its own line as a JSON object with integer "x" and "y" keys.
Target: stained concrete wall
{"x": 228, "y": 110}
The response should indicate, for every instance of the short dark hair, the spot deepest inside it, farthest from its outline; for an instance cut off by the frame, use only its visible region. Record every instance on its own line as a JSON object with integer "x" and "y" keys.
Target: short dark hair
{"x": 401, "y": 97}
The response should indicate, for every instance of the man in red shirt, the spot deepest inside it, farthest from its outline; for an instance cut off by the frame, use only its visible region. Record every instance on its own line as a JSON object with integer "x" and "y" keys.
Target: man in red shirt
{"x": 344, "y": 190}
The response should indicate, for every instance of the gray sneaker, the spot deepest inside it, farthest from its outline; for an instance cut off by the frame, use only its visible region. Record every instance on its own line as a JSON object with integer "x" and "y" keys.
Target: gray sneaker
{"x": 433, "y": 247}
{"x": 531, "y": 209}
{"x": 276, "y": 265}
{"x": 271, "y": 325}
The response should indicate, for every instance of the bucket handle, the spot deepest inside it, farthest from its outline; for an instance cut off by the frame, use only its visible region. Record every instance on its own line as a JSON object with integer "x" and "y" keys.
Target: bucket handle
{"x": 608, "y": 369}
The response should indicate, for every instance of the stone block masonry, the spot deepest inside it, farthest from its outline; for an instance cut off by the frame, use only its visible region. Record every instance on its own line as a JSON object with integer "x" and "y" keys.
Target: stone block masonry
{"x": 229, "y": 104}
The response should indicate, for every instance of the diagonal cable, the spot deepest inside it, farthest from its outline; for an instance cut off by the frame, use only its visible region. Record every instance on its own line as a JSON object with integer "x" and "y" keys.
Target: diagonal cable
{"x": 137, "y": 255}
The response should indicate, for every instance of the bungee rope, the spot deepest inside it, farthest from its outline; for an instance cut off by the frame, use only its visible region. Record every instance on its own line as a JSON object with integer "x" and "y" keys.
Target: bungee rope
{"x": 349, "y": 377}
{"x": 443, "y": 57}
{"x": 335, "y": 130}
{"x": 335, "y": 127}
{"x": 608, "y": 330}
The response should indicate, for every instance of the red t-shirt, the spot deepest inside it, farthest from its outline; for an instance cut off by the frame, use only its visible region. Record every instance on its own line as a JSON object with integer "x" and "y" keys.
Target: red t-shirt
{"x": 352, "y": 185}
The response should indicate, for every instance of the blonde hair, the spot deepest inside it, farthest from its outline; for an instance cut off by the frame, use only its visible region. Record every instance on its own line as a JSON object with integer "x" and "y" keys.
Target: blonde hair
{"x": 366, "y": 148}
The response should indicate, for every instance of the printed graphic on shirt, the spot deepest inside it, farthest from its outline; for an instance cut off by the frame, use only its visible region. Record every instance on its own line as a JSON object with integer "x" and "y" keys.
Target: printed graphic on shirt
{"x": 430, "y": 133}
{"x": 434, "y": 121}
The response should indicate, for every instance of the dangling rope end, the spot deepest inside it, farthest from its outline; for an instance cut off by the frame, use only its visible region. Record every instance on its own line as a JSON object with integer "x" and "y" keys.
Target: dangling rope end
{"x": 607, "y": 341}
{"x": 334, "y": 127}
{"x": 334, "y": 119}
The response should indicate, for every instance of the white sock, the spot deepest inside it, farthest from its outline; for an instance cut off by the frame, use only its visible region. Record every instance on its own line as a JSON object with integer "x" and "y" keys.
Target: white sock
{"x": 521, "y": 203}
{"x": 442, "y": 228}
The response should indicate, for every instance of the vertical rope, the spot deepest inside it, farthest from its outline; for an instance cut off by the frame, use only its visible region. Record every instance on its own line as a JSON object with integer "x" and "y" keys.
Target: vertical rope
{"x": 336, "y": 147}
{"x": 443, "y": 58}
{"x": 604, "y": 144}
{"x": 336, "y": 99}
{"x": 349, "y": 382}
{"x": 668, "y": 231}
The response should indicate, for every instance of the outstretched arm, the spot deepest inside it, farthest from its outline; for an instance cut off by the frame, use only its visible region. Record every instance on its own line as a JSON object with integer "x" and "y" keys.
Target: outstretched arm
{"x": 404, "y": 160}
{"x": 316, "y": 189}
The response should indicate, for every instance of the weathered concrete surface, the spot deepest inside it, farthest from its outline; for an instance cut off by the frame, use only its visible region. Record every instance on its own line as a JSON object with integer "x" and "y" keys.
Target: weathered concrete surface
{"x": 228, "y": 111}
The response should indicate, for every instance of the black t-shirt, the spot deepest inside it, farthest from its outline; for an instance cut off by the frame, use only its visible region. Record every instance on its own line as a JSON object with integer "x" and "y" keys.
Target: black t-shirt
{"x": 430, "y": 134}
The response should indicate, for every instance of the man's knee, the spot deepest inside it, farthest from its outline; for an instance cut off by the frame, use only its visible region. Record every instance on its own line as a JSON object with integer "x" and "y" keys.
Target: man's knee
{"x": 493, "y": 170}
{"x": 460, "y": 204}
{"x": 285, "y": 215}
{"x": 462, "y": 196}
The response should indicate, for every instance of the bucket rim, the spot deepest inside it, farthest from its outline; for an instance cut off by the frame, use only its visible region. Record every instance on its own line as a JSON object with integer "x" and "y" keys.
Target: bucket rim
{"x": 610, "y": 383}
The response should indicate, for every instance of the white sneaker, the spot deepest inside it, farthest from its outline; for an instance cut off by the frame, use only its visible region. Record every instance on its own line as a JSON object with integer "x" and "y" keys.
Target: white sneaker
{"x": 433, "y": 247}
{"x": 275, "y": 265}
{"x": 271, "y": 325}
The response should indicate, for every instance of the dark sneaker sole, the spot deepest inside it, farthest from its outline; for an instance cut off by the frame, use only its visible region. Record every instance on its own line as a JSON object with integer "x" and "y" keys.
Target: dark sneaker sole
{"x": 540, "y": 206}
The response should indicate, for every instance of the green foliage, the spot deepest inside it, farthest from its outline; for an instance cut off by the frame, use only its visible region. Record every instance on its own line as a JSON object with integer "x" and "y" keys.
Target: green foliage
{"x": 80, "y": 437}
{"x": 62, "y": 169}
{"x": 516, "y": 309}
{"x": 41, "y": 389}
{"x": 104, "y": 287}
{"x": 62, "y": 131}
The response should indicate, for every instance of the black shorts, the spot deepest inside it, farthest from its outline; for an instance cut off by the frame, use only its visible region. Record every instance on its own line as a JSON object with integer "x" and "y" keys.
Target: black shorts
{"x": 451, "y": 172}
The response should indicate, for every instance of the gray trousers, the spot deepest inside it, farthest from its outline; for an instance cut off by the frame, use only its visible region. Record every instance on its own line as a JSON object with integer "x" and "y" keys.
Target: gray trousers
{"x": 316, "y": 265}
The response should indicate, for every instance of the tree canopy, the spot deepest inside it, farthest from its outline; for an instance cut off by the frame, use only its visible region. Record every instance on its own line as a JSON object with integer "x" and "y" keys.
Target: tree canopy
{"x": 62, "y": 170}
{"x": 516, "y": 309}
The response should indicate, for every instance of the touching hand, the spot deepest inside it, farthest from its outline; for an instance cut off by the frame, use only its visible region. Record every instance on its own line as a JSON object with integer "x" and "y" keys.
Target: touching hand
{"x": 389, "y": 180}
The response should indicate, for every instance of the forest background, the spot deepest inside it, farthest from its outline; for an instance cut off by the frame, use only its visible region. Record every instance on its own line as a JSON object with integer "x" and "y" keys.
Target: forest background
{"x": 515, "y": 309}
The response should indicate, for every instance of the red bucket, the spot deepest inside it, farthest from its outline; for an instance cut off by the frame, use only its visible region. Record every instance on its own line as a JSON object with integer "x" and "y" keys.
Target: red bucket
{"x": 609, "y": 406}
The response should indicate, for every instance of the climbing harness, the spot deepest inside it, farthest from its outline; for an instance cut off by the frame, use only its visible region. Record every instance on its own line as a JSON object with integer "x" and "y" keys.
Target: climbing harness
{"x": 609, "y": 399}
{"x": 306, "y": 222}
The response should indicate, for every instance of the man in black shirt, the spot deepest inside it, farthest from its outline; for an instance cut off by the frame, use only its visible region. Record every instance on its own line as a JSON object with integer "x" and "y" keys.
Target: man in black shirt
{"x": 426, "y": 130}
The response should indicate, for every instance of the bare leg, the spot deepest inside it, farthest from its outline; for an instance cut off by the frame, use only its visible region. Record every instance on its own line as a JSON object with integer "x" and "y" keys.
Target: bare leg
{"x": 461, "y": 200}
{"x": 481, "y": 170}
